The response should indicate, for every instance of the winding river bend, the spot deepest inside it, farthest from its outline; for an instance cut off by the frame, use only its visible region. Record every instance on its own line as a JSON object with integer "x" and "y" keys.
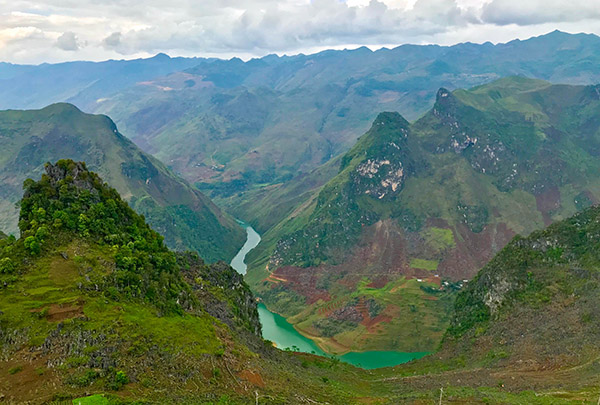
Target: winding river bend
{"x": 276, "y": 329}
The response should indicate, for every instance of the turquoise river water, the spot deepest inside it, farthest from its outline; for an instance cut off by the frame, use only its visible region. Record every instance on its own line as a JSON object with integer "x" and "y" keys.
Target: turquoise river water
{"x": 276, "y": 329}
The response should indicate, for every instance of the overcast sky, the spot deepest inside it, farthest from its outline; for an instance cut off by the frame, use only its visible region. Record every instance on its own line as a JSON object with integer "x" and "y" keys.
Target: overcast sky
{"x": 34, "y": 31}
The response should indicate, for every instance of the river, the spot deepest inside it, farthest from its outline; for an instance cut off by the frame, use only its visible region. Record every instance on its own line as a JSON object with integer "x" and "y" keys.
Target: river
{"x": 276, "y": 329}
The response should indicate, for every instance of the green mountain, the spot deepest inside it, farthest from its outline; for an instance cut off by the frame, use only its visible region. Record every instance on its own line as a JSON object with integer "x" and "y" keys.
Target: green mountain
{"x": 186, "y": 218}
{"x": 523, "y": 327}
{"x": 234, "y": 126}
{"x": 92, "y": 301}
{"x": 539, "y": 289}
{"x": 531, "y": 309}
{"x": 95, "y": 309}
{"x": 373, "y": 262}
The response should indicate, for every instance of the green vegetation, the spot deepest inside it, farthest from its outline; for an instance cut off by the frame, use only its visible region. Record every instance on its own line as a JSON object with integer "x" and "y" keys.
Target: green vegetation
{"x": 439, "y": 239}
{"x": 441, "y": 195}
{"x": 82, "y": 316}
{"x": 71, "y": 199}
{"x": 234, "y": 148}
{"x": 94, "y": 303}
{"x": 186, "y": 218}
{"x": 92, "y": 400}
{"x": 430, "y": 265}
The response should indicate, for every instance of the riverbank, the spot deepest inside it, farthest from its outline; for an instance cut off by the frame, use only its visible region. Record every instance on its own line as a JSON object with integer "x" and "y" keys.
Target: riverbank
{"x": 285, "y": 336}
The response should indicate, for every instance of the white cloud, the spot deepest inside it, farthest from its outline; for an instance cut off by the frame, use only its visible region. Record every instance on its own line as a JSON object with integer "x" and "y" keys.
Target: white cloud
{"x": 53, "y": 30}
{"x": 532, "y": 12}
{"x": 68, "y": 42}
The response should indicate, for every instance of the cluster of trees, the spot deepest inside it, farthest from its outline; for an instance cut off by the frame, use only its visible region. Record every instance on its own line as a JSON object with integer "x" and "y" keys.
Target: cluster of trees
{"x": 69, "y": 200}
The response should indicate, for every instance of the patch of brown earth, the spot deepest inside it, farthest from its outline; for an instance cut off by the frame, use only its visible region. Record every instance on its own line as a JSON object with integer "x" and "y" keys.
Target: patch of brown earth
{"x": 61, "y": 312}
{"x": 253, "y": 377}
{"x": 380, "y": 257}
{"x": 372, "y": 323}
{"x": 330, "y": 307}
{"x": 25, "y": 379}
{"x": 548, "y": 202}
{"x": 302, "y": 281}
{"x": 473, "y": 250}
{"x": 379, "y": 282}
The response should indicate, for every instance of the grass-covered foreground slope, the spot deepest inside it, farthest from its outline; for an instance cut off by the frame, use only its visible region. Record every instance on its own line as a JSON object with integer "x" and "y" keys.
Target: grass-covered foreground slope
{"x": 92, "y": 302}
{"x": 186, "y": 218}
{"x": 95, "y": 309}
{"x": 373, "y": 261}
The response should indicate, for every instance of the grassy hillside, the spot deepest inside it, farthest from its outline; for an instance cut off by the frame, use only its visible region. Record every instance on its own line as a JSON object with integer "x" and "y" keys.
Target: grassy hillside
{"x": 95, "y": 309}
{"x": 417, "y": 208}
{"x": 538, "y": 289}
{"x": 186, "y": 218}
{"x": 91, "y": 301}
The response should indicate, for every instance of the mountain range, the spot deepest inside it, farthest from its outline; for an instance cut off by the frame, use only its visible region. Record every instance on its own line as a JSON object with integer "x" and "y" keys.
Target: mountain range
{"x": 464, "y": 223}
{"x": 80, "y": 83}
{"x": 374, "y": 259}
{"x": 233, "y": 126}
{"x": 95, "y": 309}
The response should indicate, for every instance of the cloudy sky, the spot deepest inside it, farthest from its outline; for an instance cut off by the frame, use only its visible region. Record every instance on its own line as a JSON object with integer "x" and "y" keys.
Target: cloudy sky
{"x": 34, "y": 31}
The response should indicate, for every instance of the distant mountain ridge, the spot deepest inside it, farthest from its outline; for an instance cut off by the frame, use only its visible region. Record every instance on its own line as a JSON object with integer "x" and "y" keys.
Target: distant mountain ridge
{"x": 187, "y": 218}
{"x": 234, "y": 125}
{"x": 415, "y": 206}
{"x": 80, "y": 83}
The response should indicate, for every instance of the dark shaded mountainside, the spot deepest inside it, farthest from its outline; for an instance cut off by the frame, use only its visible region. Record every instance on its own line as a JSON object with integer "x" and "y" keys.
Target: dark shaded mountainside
{"x": 93, "y": 303}
{"x": 374, "y": 260}
{"x": 187, "y": 218}
{"x": 234, "y": 125}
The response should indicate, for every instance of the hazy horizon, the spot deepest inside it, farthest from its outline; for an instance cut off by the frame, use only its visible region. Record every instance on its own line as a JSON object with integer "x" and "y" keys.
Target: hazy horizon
{"x": 245, "y": 58}
{"x": 34, "y": 31}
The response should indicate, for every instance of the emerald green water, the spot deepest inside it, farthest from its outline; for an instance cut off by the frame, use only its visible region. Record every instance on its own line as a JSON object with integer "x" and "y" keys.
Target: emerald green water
{"x": 279, "y": 331}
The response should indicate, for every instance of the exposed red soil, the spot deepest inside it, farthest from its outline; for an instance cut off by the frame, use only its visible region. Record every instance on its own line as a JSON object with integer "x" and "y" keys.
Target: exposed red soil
{"x": 330, "y": 307}
{"x": 253, "y": 377}
{"x": 302, "y": 281}
{"x": 60, "y": 312}
{"x": 34, "y": 383}
{"x": 371, "y": 323}
{"x": 473, "y": 250}
{"x": 547, "y": 202}
{"x": 383, "y": 255}
{"x": 379, "y": 282}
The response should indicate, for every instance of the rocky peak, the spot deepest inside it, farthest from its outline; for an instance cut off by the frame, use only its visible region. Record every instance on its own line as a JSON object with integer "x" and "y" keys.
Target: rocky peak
{"x": 442, "y": 94}
{"x": 391, "y": 121}
{"x": 76, "y": 172}
{"x": 445, "y": 104}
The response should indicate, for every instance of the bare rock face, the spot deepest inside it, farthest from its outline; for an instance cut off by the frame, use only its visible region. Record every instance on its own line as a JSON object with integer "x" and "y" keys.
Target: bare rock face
{"x": 75, "y": 170}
